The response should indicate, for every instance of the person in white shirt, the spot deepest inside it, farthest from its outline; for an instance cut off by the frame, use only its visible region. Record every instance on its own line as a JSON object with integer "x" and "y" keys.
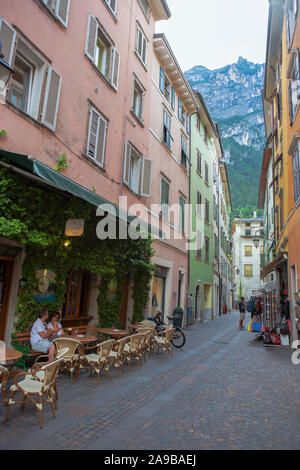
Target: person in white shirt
{"x": 40, "y": 334}
{"x": 55, "y": 325}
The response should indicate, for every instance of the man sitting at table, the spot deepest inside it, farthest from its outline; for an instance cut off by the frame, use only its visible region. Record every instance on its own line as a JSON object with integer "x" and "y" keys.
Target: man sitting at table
{"x": 40, "y": 335}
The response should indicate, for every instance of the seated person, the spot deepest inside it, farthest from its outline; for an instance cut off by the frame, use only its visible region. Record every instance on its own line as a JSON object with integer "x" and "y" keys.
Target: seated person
{"x": 55, "y": 325}
{"x": 39, "y": 337}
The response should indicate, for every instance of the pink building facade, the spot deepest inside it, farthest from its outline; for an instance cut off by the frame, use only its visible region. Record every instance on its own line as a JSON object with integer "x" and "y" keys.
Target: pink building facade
{"x": 172, "y": 103}
{"x": 81, "y": 93}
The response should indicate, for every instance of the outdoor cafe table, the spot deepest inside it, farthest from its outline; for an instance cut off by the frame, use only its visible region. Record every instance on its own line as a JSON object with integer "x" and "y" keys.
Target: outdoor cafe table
{"x": 114, "y": 333}
{"x": 84, "y": 339}
{"x": 11, "y": 356}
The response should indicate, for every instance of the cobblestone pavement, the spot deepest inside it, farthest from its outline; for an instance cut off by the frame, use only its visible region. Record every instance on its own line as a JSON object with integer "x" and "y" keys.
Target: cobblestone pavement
{"x": 223, "y": 390}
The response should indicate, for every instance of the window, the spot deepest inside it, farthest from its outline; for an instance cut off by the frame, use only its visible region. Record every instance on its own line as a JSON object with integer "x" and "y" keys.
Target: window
{"x": 112, "y": 4}
{"x": 164, "y": 198}
{"x": 100, "y": 50}
{"x": 248, "y": 270}
{"x": 296, "y": 172}
{"x": 183, "y": 115}
{"x": 182, "y": 213}
{"x": 294, "y": 84}
{"x": 248, "y": 250}
{"x": 29, "y": 78}
{"x": 60, "y": 9}
{"x": 215, "y": 174}
{"x": 167, "y": 128}
{"x": 166, "y": 87}
{"x": 199, "y": 202}
{"x": 205, "y": 135}
{"x": 97, "y": 137}
{"x": 144, "y": 4}
{"x": 248, "y": 233}
{"x": 198, "y": 124}
{"x": 206, "y": 249}
{"x": 184, "y": 151}
{"x": 137, "y": 171}
{"x": 141, "y": 44}
{"x": 199, "y": 245}
{"x": 138, "y": 99}
{"x": 216, "y": 245}
{"x": 206, "y": 174}
{"x": 206, "y": 211}
{"x": 199, "y": 162}
{"x": 290, "y": 20}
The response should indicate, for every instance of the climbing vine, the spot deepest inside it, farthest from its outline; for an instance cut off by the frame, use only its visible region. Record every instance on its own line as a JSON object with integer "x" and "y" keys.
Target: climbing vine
{"x": 36, "y": 217}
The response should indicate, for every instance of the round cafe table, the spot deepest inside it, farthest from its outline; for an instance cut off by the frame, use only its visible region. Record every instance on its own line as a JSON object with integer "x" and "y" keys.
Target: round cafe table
{"x": 114, "y": 332}
{"x": 11, "y": 356}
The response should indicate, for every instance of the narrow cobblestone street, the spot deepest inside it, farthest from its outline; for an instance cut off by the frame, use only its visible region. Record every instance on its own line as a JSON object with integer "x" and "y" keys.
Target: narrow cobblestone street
{"x": 224, "y": 390}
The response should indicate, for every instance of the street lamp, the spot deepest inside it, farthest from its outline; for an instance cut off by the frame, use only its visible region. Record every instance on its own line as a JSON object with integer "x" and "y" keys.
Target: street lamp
{"x": 5, "y": 71}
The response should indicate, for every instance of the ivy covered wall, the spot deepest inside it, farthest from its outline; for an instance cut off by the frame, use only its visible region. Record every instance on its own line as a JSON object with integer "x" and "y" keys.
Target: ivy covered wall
{"x": 36, "y": 216}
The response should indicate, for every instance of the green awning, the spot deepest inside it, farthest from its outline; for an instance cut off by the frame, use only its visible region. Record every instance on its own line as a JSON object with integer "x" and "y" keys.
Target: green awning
{"x": 64, "y": 183}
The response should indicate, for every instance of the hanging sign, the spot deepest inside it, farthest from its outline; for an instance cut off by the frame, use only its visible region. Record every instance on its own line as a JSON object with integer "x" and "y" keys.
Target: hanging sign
{"x": 74, "y": 228}
{"x": 46, "y": 285}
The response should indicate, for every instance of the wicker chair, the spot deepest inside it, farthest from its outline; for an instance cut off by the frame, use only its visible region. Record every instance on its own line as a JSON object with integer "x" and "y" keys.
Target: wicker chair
{"x": 148, "y": 324}
{"x": 34, "y": 386}
{"x": 38, "y": 371}
{"x": 134, "y": 348}
{"x": 117, "y": 355}
{"x": 164, "y": 341}
{"x": 100, "y": 360}
{"x": 72, "y": 359}
{"x": 148, "y": 342}
{"x": 3, "y": 382}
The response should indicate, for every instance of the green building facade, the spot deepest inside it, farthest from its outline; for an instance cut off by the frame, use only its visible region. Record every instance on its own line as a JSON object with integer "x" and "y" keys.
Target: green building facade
{"x": 201, "y": 199}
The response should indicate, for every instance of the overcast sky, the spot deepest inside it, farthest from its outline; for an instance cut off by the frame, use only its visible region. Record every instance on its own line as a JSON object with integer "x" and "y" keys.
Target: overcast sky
{"x": 215, "y": 33}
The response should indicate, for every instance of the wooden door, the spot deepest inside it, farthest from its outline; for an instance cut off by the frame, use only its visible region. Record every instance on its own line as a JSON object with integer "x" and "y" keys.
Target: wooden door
{"x": 5, "y": 286}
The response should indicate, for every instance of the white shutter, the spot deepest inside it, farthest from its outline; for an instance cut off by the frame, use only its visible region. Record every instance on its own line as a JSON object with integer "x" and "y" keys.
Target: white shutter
{"x": 8, "y": 38}
{"x": 146, "y": 177}
{"x": 93, "y": 134}
{"x": 62, "y": 11}
{"x": 51, "y": 100}
{"x": 115, "y": 68}
{"x": 101, "y": 141}
{"x": 126, "y": 165}
{"x": 91, "y": 38}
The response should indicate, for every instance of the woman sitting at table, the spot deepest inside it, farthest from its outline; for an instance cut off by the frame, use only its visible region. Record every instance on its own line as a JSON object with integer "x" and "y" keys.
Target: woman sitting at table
{"x": 40, "y": 334}
{"x": 55, "y": 325}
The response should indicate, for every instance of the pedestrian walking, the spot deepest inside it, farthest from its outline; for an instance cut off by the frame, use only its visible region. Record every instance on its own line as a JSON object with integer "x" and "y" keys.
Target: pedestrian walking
{"x": 242, "y": 308}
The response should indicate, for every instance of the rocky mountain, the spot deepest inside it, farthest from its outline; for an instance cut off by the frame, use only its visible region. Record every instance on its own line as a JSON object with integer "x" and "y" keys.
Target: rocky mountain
{"x": 233, "y": 98}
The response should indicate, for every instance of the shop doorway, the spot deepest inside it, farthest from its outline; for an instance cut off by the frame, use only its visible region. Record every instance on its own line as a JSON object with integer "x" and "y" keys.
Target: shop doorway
{"x": 159, "y": 292}
{"x": 5, "y": 285}
{"x": 75, "y": 309}
{"x": 198, "y": 303}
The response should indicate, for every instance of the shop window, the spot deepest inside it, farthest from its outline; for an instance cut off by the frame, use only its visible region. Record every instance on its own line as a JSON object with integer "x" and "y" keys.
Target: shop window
{"x": 77, "y": 296}
{"x": 101, "y": 51}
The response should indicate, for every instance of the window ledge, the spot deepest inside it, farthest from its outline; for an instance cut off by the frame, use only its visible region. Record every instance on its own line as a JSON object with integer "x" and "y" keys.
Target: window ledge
{"x": 139, "y": 121}
{"x": 93, "y": 162}
{"x": 140, "y": 60}
{"x": 199, "y": 174}
{"x": 26, "y": 116}
{"x": 168, "y": 149}
{"x": 105, "y": 80}
{"x": 113, "y": 15}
